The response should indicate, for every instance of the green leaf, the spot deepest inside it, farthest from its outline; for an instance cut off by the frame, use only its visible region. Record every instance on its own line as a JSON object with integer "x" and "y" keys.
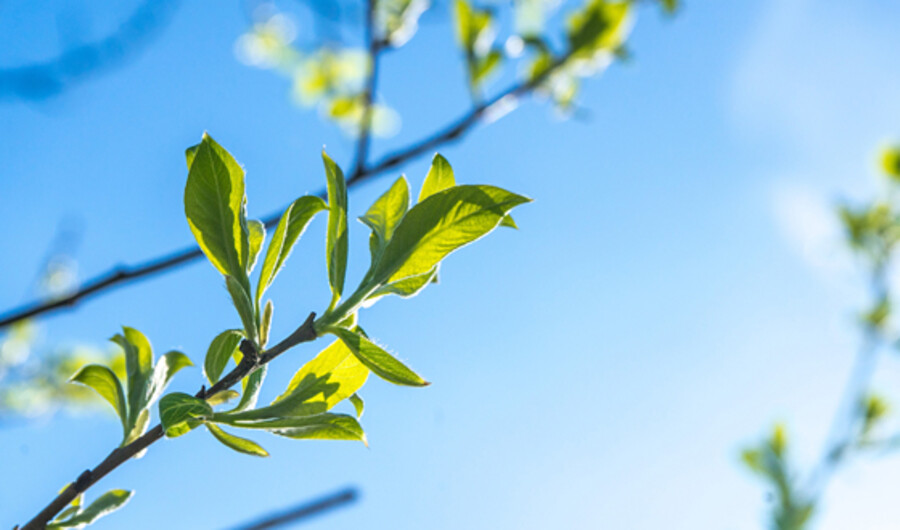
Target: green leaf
{"x": 138, "y": 429}
{"x": 377, "y": 359}
{"x": 177, "y": 408}
{"x": 890, "y": 162}
{"x": 358, "y": 404}
{"x": 296, "y": 405}
{"x": 222, "y": 397}
{"x": 439, "y": 177}
{"x": 508, "y": 222}
{"x": 219, "y": 353}
{"x": 104, "y": 505}
{"x": 257, "y": 234}
{"x": 601, "y": 25}
{"x": 189, "y": 154}
{"x": 241, "y": 299}
{"x": 265, "y": 325}
{"x": 138, "y": 369}
{"x": 486, "y": 65}
{"x": 331, "y": 376}
{"x": 336, "y": 241}
{"x": 103, "y": 381}
{"x": 252, "y": 385}
{"x": 166, "y": 368}
{"x": 291, "y": 226}
{"x": 241, "y": 445}
{"x": 214, "y": 203}
{"x": 441, "y": 224}
{"x": 325, "y": 426}
{"x": 385, "y": 214}
{"x": 407, "y": 287}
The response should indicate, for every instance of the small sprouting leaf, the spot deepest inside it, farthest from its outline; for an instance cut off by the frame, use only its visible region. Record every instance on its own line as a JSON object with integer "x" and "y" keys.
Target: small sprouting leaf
{"x": 103, "y": 381}
{"x": 377, "y": 359}
{"x": 439, "y": 177}
{"x": 336, "y": 241}
{"x": 177, "y": 408}
{"x": 138, "y": 429}
{"x": 890, "y": 162}
{"x": 265, "y": 325}
{"x": 138, "y": 368}
{"x": 241, "y": 445}
{"x": 214, "y": 205}
{"x": 441, "y": 224}
{"x": 219, "y": 353}
{"x": 331, "y": 376}
{"x": 291, "y": 226}
{"x": 241, "y": 299}
{"x": 358, "y": 404}
{"x": 104, "y": 505}
{"x": 385, "y": 214}
{"x": 252, "y": 385}
{"x": 167, "y": 366}
{"x": 257, "y": 234}
{"x": 222, "y": 397}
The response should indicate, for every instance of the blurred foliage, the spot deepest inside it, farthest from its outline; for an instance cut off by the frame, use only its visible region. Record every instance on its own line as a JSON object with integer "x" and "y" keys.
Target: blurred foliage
{"x": 872, "y": 231}
{"x": 35, "y": 382}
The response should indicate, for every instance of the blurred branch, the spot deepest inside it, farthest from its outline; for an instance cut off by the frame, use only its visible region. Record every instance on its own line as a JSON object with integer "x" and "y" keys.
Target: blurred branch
{"x": 303, "y": 511}
{"x": 45, "y": 79}
{"x": 365, "y": 124}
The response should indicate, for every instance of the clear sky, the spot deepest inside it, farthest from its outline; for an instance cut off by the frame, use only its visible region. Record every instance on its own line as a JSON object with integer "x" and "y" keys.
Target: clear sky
{"x": 676, "y": 287}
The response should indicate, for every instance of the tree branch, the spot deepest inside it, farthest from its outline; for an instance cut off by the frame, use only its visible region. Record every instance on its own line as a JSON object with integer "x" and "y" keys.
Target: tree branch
{"x": 122, "y": 275}
{"x": 249, "y": 363}
{"x": 368, "y": 96}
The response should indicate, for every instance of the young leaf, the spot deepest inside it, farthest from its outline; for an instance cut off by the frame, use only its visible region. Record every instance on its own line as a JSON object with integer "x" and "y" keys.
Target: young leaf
{"x": 104, "y": 505}
{"x": 252, "y": 385}
{"x": 407, "y": 287}
{"x": 385, "y": 214}
{"x": 291, "y": 226}
{"x": 219, "y": 353}
{"x": 214, "y": 205}
{"x": 325, "y": 426}
{"x": 376, "y": 359}
{"x": 331, "y": 376}
{"x": 336, "y": 241}
{"x": 358, "y": 404}
{"x": 265, "y": 324}
{"x": 439, "y": 177}
{"x": 222, "y": 397}
{"x": 138, "y": 368}
{"x": 167, "y": 366}
{"x": 241, "y": 299}
{"x": 257, "y": 234}
{"x": 177, "y": 408}
{"x": 103, "y": 381}
{"x": 241, "y": 445}
{"x": 441, "y": 224}
{"x": 138, "y": 429}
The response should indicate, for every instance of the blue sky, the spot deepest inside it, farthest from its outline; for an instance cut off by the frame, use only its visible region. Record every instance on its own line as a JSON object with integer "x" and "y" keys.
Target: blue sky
{"x": 675, "y": 288}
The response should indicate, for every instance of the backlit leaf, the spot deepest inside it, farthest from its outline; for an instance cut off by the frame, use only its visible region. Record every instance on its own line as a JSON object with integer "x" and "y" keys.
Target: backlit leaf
{"x": 219, "y": 353}
{"x": 177, "y": 408}
{"x": 241, "y": 445}
{"x": 377, "y": 359}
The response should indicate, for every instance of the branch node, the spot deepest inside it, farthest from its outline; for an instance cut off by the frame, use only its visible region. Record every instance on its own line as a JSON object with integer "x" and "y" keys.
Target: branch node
{"x": 83, "y": 481}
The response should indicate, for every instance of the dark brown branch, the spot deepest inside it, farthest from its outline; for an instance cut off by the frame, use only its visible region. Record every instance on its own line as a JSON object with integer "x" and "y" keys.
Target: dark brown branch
{"x": 130, "y": 274}
{"x": 305, "y": 333}
{"x": 305, "y": 510}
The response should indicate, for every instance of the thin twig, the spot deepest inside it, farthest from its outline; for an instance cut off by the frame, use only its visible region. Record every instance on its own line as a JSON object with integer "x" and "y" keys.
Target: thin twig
{"x": 304, "y": 511}
{"x": 305, "y": 333}
{"x": 122, "y": 275}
